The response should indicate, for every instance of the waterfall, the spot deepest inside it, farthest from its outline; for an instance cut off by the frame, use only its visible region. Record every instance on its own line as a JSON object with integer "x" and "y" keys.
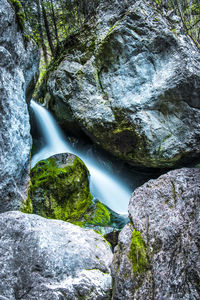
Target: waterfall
{"x": 54, "y": 138}
{"x": 105, "y": 185}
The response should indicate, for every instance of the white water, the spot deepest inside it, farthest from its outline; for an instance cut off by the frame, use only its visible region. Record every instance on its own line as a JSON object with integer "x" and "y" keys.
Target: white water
{"x": 104, "y": 184}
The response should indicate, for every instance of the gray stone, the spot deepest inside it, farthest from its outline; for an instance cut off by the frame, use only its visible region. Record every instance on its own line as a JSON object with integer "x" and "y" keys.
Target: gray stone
{"x": 131, "y": 81}
{"x": 164, "y": 213}
{"x": 50, "y": 259}
{"x": 18, "y": 71}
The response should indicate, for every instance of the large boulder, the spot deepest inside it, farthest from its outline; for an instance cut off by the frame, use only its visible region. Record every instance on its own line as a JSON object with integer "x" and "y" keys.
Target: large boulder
{"x": 50, "y": 259}
{"x": 19, "y": 60}
{"x": 158, "y": 252}
{"x": 59, "y": 189}
{"x": 131, "y": 81}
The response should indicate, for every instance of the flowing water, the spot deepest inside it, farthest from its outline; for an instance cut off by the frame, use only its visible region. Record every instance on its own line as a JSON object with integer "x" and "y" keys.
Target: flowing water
{"x": 109, "y": 184}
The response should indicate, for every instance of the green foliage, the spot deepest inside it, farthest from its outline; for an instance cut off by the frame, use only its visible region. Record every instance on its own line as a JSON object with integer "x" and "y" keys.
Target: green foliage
{"x": 20, "y": 15}
{"x": 158, "y": 2}
{"x": 62, "y": 17}
{"x": 137, "y": 253}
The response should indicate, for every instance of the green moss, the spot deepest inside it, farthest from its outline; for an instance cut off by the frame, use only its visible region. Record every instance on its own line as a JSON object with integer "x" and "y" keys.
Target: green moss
{"x": 113, "y": 27}
{"x": 174, "y": 31}
{"x": 19, "y": 13}
{"x": 158, "y": 2}
{"x": 60, "y": 192}
{"x": 98, "y": 232}
{"x": 137, "y": 253}
{"x": 27, "y": 206}
{"x": 122, "y": 129}
{"x": 100, "y": 217}
{"x": 79, "y": 223}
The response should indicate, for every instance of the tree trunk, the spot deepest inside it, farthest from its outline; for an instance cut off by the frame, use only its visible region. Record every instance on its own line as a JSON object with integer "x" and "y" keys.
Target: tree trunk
{"x": 44, "y": 49}
{"x": 54, "y": 22}
{"x": 46, "y": 24}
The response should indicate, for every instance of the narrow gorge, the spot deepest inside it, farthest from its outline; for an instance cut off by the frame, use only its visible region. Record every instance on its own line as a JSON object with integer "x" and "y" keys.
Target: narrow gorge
{"x": 100, "y": 154}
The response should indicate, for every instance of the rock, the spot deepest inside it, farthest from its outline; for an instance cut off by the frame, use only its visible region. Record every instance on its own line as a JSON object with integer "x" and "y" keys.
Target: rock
{"x": 51, "y": 259}
{"x": 19, "y": 62}
{"x": 131, "y": 81}
{"x": 60, "y": 188}
{"x": 101, "y": 218}
{"x": 158, "y": 252}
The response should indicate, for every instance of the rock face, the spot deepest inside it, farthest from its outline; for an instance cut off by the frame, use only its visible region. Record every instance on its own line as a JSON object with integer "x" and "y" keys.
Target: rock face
{"x": 51, "y": 259}
{"x": 18, "y": 68}
{"x": 131, "y": 81}
{"x": 158, "y": 252}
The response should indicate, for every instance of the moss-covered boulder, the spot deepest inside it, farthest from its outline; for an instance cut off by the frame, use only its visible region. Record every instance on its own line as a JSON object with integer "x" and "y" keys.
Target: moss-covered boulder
{"x": 60, "y": 188}
{"x": 102, "y": 219}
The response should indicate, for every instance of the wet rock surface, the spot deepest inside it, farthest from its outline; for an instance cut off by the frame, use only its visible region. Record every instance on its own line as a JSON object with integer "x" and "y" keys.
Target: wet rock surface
{"x": 19, "y": 62}
{"x": 51, "y": 259}
{"x": 131, "y": 81}
{"x": 157, "y": 256}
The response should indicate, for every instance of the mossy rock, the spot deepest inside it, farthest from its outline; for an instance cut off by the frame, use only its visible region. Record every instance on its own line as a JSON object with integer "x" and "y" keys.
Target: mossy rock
{"x": 102, "y": 219}
{"x": 138, "y": 254}
{"x": 60, "y": 188}
{"x": 98, "y": 215}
